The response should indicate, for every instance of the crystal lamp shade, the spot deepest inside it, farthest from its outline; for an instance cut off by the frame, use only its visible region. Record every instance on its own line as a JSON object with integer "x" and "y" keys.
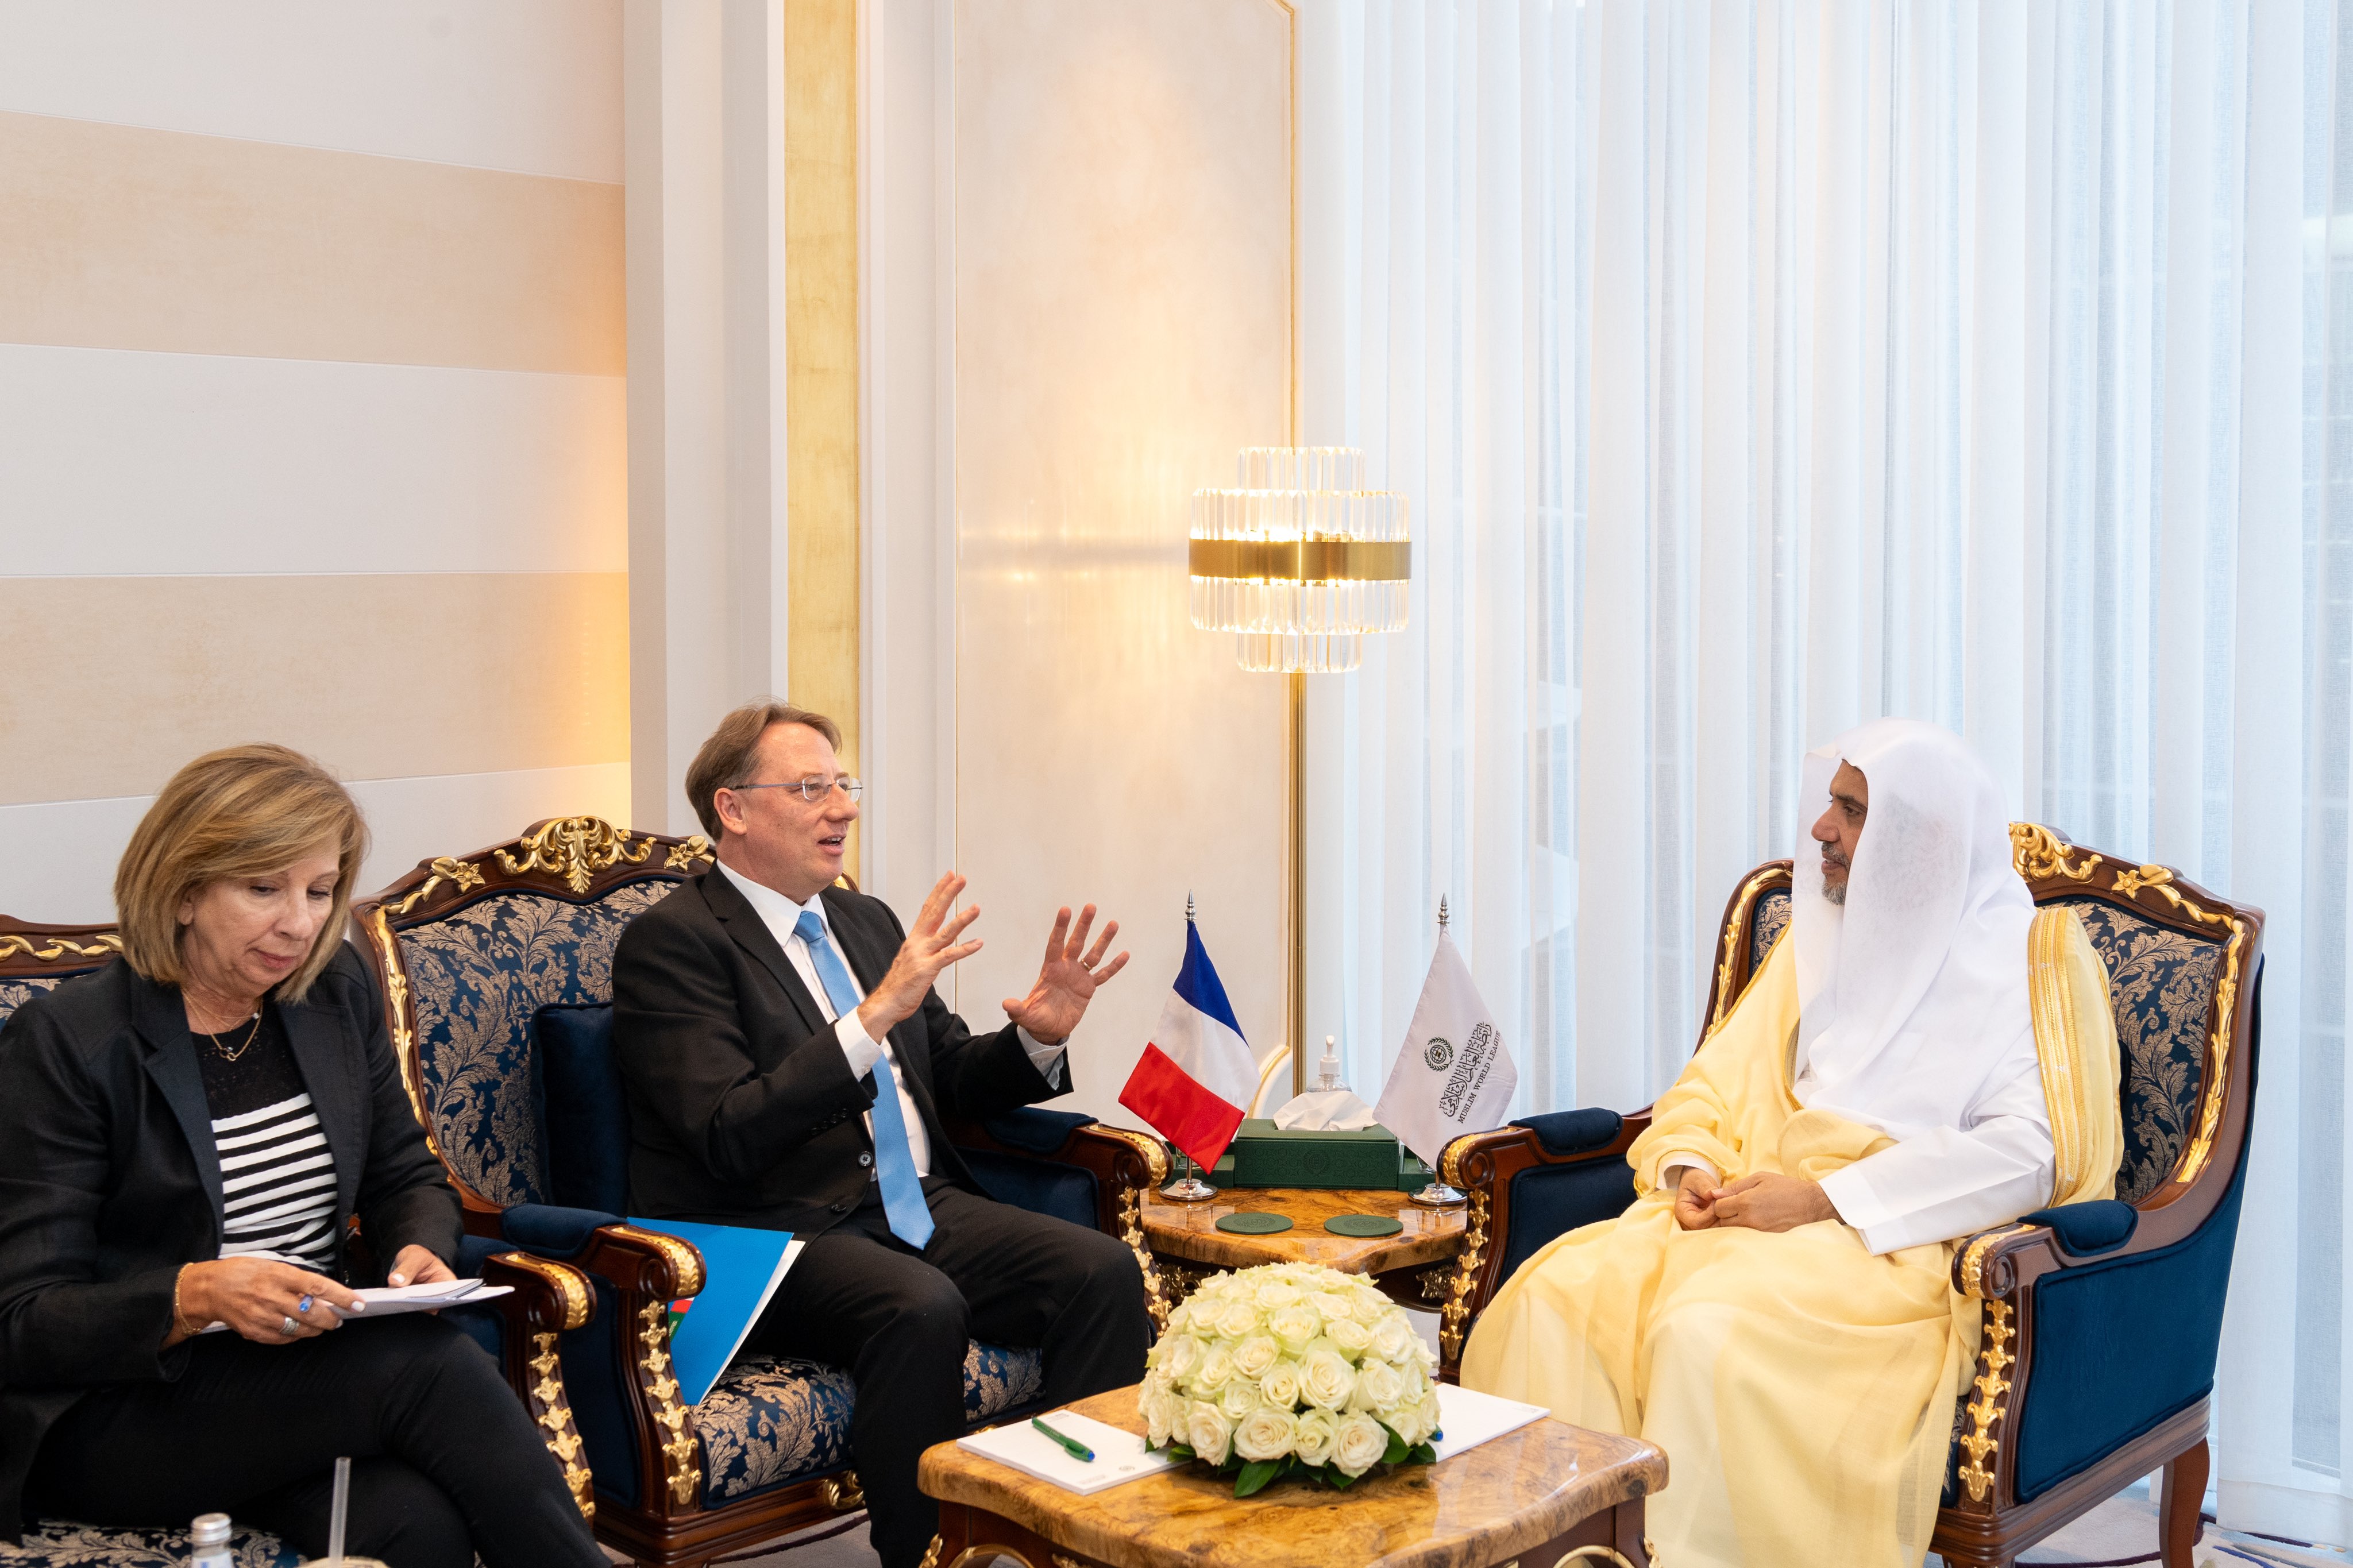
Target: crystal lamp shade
{"x": 1300, "y": 559}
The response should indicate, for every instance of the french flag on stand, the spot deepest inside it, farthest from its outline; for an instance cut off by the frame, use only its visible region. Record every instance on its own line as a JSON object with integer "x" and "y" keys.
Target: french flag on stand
{"x": 1196, "y": 1076}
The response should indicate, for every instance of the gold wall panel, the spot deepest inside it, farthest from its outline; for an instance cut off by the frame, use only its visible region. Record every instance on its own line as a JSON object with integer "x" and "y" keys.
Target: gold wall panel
{"x": 821, "y": 360}
{"x": 380, "y": 676}
{"x": 122, "y": 238}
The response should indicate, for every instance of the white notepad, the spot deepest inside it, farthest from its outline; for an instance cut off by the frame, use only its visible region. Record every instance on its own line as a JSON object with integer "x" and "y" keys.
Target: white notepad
{"x": 1119, "y": 1456}
{"x": 1468, "y": 1418}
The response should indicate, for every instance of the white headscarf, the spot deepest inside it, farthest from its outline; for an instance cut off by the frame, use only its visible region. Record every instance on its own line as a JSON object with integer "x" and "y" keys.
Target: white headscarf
{"x": 1912, "y": 993}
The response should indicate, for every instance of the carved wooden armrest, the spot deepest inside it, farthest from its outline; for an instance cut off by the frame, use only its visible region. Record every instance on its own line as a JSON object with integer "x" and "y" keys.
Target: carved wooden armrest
{"x": 2001, "y": 1267}
{"x": 1482, "y": 1165}
{"x": 549, "y": 1300}
{"x": 647, "y": 1271}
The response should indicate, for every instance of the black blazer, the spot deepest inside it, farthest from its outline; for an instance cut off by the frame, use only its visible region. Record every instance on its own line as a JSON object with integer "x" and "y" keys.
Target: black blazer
{"x": 741, "y": 1109}
{"x": 110, "y": 1180}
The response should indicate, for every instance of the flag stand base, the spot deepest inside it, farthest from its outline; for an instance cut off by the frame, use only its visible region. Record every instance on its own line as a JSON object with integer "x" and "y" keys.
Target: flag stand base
{"x": 1437, "y": 1195}
{"x": 1188, "y": 1187}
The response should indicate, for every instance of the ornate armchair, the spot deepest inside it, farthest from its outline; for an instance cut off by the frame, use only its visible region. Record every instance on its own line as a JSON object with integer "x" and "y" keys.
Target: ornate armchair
{"x": 497, "y": 972}
{"x": 2102, "y": 1320}
{"x": 520, "y": 1329}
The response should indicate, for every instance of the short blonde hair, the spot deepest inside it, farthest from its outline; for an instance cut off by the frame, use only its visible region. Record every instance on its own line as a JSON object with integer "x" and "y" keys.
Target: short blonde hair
{"x": 239, "y": 812}
{"x": 725, "y": 760}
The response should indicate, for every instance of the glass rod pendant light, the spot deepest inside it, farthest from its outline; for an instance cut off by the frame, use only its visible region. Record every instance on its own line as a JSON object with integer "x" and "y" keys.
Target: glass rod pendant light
{"x": 1300, "y": 560}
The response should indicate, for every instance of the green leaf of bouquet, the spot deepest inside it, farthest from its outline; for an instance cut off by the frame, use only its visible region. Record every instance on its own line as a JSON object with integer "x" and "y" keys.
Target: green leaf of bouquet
{"x": 1396, "y": 1449}
{"x": 1255, "y": 1475}
{"x": 1421, "y": 1454}
{"x": 1180, "y": 1451}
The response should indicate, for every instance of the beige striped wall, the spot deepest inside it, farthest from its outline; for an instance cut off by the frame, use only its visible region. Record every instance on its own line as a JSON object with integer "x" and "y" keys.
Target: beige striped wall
{"x": 312, "y": 418}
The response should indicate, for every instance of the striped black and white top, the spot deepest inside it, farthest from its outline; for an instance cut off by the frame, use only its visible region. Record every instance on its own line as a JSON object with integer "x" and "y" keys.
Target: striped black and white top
{"x": 278, "y": 1175}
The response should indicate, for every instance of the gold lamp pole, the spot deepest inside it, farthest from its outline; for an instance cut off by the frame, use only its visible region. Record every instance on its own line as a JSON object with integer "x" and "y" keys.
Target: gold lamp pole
{"x": 1303, "y": 563}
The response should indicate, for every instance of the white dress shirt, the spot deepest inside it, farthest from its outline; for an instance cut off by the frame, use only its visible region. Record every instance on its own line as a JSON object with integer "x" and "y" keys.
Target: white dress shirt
{"x": 782, "y": 917}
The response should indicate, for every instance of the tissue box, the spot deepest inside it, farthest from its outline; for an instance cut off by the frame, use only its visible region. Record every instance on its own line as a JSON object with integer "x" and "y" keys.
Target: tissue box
{"x": 1407, "y": 1175}
{"x": 1265, "y": 1155}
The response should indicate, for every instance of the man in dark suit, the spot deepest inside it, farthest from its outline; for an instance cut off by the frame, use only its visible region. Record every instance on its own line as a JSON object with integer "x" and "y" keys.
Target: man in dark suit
{"x": 788, "y": 1064}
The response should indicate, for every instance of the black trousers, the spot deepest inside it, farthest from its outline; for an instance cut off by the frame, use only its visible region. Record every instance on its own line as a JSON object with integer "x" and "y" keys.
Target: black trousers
{"x": 445, "y": 1461}
{"x": 898, "y": 1320}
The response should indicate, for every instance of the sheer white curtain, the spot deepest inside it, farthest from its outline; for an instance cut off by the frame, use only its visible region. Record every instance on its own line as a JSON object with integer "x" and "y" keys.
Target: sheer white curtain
{"x": 1760, "y": 366}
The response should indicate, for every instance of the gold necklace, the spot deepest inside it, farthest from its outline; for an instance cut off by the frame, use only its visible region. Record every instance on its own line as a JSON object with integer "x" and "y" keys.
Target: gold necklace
{"x": 251, "y": 1034}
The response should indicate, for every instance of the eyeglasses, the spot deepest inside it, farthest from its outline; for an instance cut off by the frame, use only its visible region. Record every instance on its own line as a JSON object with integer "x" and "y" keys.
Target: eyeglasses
{"x": 812, "y": 789}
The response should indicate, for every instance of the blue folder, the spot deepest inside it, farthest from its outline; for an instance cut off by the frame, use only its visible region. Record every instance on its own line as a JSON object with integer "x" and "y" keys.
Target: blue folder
{"x": 741, "y": 1269}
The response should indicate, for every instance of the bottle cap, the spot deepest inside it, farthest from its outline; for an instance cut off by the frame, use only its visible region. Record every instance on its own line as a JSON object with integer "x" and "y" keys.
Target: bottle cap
{"x": 209, "y": 1530}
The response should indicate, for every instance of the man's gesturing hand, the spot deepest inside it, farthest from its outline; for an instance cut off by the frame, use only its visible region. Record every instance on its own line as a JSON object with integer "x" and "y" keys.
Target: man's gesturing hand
{"x": 1066, "y": 981}
{"x": 1768, "y": 1202}
{"x": 931, "y": 947}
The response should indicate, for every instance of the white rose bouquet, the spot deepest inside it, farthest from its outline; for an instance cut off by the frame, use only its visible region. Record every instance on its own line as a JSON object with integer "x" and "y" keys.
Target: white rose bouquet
{"x": 1291, "y": 1369}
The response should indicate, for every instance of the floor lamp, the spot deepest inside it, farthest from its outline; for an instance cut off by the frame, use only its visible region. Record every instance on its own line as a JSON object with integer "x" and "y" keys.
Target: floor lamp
{"x": 1303, "y": 563}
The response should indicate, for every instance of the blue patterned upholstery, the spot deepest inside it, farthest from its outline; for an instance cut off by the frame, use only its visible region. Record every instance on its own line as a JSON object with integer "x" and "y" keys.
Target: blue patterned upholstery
{"x": 55, "y": 1545}
{"x": 475, "y": 979}
{"x": 14, "y": 994}
{"x": 2162, "y": 983}
{"x": 769, "y": 1421}
{"x": 1766, "y": 925}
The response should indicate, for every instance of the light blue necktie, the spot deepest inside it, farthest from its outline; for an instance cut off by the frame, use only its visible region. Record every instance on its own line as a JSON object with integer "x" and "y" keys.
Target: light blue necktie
{"x": 894, "y": 1159}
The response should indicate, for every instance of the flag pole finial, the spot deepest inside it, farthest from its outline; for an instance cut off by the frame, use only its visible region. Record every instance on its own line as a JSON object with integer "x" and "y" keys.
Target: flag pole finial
{"x": 1188, "y": 906}
{"x": 1441, "y": 913}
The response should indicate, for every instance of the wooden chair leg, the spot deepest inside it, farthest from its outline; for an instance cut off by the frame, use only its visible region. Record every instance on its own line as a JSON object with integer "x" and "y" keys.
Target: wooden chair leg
{"x": 2178, "y": 1503}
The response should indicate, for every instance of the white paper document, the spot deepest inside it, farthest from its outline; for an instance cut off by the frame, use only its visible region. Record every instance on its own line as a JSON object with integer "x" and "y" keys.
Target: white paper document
{"x": 1119, "y": 1456}
{"x": 390, "y": 1300}
{"x": 1467, "y": 1418}
{"x": 384, "y": 1301}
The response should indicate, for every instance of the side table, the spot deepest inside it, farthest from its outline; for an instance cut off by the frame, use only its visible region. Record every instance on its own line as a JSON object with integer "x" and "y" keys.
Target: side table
{"x": 1548, "y": 1495}
{"x": 1412, "y": 1266}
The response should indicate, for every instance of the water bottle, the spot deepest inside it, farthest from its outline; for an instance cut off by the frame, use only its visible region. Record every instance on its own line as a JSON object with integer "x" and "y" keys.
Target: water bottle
{"x": 208, "y": 1542}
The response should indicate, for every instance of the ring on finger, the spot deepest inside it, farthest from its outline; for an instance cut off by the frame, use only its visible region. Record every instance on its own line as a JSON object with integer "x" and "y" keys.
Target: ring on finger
{"x": 287, "y": 1327}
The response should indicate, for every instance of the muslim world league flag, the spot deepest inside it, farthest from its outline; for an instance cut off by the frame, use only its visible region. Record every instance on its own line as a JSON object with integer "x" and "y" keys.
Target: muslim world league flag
{"x": 1452, "y": 1075}
{"x": 1196, "y": 1073}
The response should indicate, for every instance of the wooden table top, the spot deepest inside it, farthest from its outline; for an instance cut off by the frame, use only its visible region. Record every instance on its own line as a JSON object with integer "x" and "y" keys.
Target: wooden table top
{"x": 1190, "y": 1230}
{"x": 1500, "y": 1498}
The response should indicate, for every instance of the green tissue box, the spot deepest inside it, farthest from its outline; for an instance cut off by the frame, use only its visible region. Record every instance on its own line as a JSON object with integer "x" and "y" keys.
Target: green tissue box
{"x": 1265, "y": 1155}
{"x": 1406, "y": 1174}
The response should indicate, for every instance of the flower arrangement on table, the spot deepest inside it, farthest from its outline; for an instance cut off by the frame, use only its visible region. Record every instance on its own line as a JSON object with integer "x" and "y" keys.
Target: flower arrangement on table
{"x": 1290, "y": 1369}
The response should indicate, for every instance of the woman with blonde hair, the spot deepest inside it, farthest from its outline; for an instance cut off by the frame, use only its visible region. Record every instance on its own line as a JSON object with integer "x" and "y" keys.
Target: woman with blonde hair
{"x": 185, "y": 1138}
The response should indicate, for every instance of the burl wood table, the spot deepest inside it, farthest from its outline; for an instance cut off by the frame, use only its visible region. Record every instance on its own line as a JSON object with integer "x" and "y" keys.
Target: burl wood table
{"x": 1412, "y": 1266}
{"x": 1546, "y": 1496}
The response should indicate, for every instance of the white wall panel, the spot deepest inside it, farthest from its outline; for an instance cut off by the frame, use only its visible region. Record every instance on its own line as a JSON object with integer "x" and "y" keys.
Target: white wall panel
{"x": 1122, "y": 296}
{"x": 59, "y": 865}
{"x": 533, "y": 85}
{"x": 118, "y": 461}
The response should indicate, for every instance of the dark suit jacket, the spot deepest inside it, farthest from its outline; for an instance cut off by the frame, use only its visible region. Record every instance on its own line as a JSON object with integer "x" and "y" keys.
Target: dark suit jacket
{"x": 741, "y": 1109}
{"x": 110, "y": 1180}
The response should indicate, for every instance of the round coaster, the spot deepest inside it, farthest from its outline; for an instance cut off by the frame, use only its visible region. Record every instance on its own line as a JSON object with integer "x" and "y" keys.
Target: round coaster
{"x": 1364, "y": 1225}
{"x": 1249, "y": 1223}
